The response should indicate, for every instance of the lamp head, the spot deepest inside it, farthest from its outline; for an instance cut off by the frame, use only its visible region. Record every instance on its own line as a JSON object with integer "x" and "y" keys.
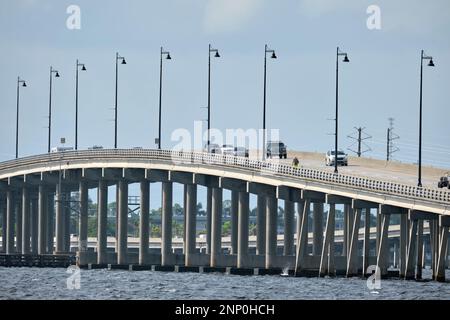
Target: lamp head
{"x": 24, "y": 84}
{"x": 57, "y": 74}
{"x": 168, "y": 57}
{"x": 274, "y": 56}
{"x": 123, "y": 61}
{"x": 217, "y": 55}
{"x": 431, "y": 63}
{"x": 346, "y": 59}
{"x": 83, "y": 68}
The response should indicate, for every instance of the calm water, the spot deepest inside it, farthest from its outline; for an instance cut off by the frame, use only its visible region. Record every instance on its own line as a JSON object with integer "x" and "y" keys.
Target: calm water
{"x": 47, "y": 283}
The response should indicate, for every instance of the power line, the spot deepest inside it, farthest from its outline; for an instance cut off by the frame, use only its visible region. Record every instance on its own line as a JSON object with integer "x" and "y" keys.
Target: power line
{"x": 391, "y": 136}
{"x": 359, "y": 141}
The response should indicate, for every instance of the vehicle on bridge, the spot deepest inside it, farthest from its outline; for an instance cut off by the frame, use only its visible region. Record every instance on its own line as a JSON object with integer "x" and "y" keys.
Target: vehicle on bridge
{"x": 240, "y": 152}
{"x": 227, "y": 149}
{"x": 444, "y": 181}
{"x": 95, "y": 147}
{"x": 213, "y": 148}
{"x": 276, "y": 148}
{"x": 342, "y": 158}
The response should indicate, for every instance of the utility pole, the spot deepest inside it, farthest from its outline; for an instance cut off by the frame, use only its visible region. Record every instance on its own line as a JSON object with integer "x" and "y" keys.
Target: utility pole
{"x": 391, "y": 136}
{"x": 359, "y": 140}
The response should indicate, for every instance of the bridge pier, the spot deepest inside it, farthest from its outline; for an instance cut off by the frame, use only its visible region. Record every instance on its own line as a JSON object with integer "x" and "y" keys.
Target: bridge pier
{"x": 242, "y": 252}
{"x": 102, "y": 217}
{"x": 289, "y": 208}
{"x": 83, "y": 217}
{"x": 3, "y": 213}
{"x": 144, "y": 221}
{"x": 444, "y": 224}
{"x": 191, "y": 217}
{"x": 122, "y": 253}
{"x": 216, "y": 226}
{"x": 366, "y": 243}
{"x": 60, "y": 221}
{"x": 403, "y": 244}
{"x": 271, "y": 231}
{"x": 19, "y": 213}
{"x": 383, "y": 253}
{"x": 50, "y": 216}
{"x": 34, "y": 224}
{"x": 317, "y": 228}
{"x": 327, "y": 265}
{"x": 420, "y": 247}
{"x": 42, "y": 220}
{"x": 25, "y": 221}
{"x": 302, "y": 241}
{"x": 10, "y": 208}
{"x": 234, "y": 220}
{"x": 208, "y": 218}
{"x": 352, "y": 260}
{"x": 166, "y": 223}
{"x": 261, "y": 225}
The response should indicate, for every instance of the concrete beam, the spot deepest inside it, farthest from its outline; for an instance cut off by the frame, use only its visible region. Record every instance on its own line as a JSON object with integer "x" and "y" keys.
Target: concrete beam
{"x": 133, "y": 174}
{"x": 91, "y": 174}
{"x": 32, "y": 179}
{"x": 313, "y": 196}
{"x": 361, "y": 204}
{"x": 421, "y": 215}
{"x": 111, "y": 174}
{"x": 206, "y": 180}
{"x": 16, "y": 182}
{"x": 334, "y": 199}
{"x": 71, "y": 176}
{"x": 181, "y": 177}
{"x": 261, "y": 189}
{"x": 288, "y": 193}
{"x": 155, "y": 175}
{"x": 388, "y": 209}
{"x": 233, "y": 184}
{"x": 444, "y": 221}
{"x": 50, "y": 177}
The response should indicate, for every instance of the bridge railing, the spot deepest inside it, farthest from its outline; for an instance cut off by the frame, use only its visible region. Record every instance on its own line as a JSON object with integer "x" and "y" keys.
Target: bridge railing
{"x": 256, "y": 166}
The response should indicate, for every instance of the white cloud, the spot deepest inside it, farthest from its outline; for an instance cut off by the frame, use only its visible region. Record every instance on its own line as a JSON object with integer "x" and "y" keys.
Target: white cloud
{"x": 229, "y": 15}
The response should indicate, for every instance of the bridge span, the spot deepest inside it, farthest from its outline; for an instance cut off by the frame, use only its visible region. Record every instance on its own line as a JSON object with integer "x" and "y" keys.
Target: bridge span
{"x": 34, "y": 198}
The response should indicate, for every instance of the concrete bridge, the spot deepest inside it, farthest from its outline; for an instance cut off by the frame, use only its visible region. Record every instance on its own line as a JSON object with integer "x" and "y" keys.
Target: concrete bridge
{"x": 33, "y": 188}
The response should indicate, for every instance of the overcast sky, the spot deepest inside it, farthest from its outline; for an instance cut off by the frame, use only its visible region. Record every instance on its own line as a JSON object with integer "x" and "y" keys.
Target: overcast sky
{"x": 381, "y": 81}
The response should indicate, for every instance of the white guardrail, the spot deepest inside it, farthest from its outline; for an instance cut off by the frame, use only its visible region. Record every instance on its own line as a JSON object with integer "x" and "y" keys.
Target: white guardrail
{"x": 263, "y": 167}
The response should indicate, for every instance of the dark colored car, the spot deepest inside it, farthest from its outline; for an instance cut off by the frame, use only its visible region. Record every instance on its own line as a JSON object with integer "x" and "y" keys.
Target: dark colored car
{"x": 276, "y": 149}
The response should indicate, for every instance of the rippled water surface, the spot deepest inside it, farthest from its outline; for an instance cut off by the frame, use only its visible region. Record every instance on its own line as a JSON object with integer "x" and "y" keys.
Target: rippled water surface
{"x": 47, "y": 283}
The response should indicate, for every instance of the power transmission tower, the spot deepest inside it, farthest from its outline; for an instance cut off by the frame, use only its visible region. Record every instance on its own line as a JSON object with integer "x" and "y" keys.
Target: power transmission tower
{"x": 359, "y": 141}
{"x": 391, "y": 136}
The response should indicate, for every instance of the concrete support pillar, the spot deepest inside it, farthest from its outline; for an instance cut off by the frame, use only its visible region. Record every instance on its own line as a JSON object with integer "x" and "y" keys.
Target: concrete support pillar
{"x": 261, "y": 225}
{"x": 302, "y": 241}
{"x": 83, "y": 217}
{"x": 166, "y": 223}
{"x": 191, "y": 223}
{"x": 298, "y": 227}
{"x": 4, "y": 222}
{"x": 60, "y": 221}
{"x": 420, "y": 250}
{"x": 403, "y": 244}
{"x": 185, "y": 209}
{"x": 34, "y": 225}
{"x": 434, "y": 245}
{"x": 383, "y": 253}
{"x": 378, "y": 220}
{"x": 50, "y": 200}
{"x": 208, "y": 219}
{"x": 67, "y": 212}
{"x": 144, "y": 222}
{"x": 216, "y": 226}
{"x": 350, "y": 221}
{"x": 317, "y": 228}
{"x": 345, "y": 232}
{"x": 117, "y": 218}
{"x": 442, "y": 253}
{"x": 271, "y": 231}
{"x": 327, "y": 265}
{"x": 352, "y": 261}
{"x": 122, "y": 253}
{"x": 42, "y": 220}
{"x": 366, "y": 248}
{"x": 19, "y": 214}
{"x": 243, "y": 220}
{"x": 411, "y": 251}
{"x": 102, "y": 216}
{"x": 288, "y": 249}
{"x": 26, "y": 225}
{"x": 234, "y": 220}
{"x": 10, "y": 208}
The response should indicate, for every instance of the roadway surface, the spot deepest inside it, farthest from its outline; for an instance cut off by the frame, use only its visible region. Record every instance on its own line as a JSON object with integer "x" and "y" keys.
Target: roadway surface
{"x": 366, "y": 167}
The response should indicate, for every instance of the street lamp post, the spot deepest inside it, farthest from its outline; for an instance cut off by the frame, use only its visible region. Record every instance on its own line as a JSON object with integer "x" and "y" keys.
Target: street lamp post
{"x": 118, "y": 57}
{"x": 430, "y": 64}
{"x": 168, "y": 57}
{"x": 338, "y": 53}
{"x": 273, "y": 56}
{"x": 19, "y": 81}
{"x": 83, "y": 68}
{"x": 216, "y": 55}
{"x": 50, "y": 107}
